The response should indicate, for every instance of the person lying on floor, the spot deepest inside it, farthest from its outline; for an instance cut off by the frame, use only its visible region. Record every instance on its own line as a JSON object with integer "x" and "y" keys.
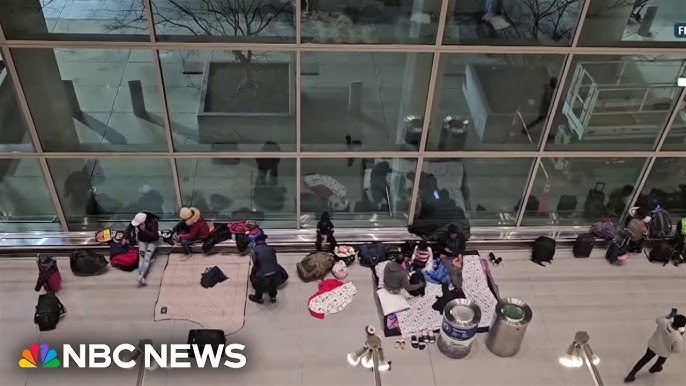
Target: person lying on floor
{"x": 192, "y": 228}
{"x": 451, "y": 245}
{"x": 267, "y": 273}
{"x": 396, "y": 277}
{"x": 145, "y": 228}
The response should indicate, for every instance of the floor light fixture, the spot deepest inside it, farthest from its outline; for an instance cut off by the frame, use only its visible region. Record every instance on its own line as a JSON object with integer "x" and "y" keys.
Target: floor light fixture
{"x": 580, "y": 352}
{"x": 370, "y": 355}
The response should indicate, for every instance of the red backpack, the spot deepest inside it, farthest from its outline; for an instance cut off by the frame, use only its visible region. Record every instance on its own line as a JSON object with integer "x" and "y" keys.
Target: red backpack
{"x": 49, "y": 276}
{"x": 126, "y": 261}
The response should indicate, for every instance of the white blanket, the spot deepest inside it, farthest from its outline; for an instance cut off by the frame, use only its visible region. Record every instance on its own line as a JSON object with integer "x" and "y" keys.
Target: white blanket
{"x": 391, "y": 303}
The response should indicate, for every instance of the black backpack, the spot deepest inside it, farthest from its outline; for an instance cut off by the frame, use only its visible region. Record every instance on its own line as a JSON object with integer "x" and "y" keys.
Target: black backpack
{"x": 371, "y": 254}
{"x": 416, "y": 278}
{"x": 48, "y": 312}
{"x": 212, "y": 276}
{"x": 87, "y": 263}
{"x": 661, "y": 253}
{"x": 543, "y": 251}
{"x": 201, "y": 337}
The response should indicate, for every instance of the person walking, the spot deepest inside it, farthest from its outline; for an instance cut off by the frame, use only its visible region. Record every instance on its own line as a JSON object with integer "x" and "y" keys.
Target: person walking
{"x": 666, "y": 340}
{"x": 266, "y": 270}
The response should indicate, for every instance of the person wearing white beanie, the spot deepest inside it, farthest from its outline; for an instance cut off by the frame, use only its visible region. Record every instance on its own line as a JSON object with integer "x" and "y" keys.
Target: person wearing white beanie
{"x": 145, "y": 229}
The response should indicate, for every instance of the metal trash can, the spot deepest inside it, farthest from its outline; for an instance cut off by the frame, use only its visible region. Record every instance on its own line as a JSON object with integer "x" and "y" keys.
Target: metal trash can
{"x": 461, "y": 319}
{"x": 512, "y": 316}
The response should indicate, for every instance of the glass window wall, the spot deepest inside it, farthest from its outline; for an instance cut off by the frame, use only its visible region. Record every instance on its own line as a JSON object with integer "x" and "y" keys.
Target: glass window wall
{"x": 113, "y": 20}
{"x": 235, "y": 21}
{"x": 230, "y": 100}
{"x": 97, "y": 193}
{"x": 92, "y": 99}
{"x": 676, "y": 138}
{"x": 262, "y": 189}
{"x": 363, "y": 101}
{"x": 464, "y": 188}
{"x": 13, "y": 133}
{"x": 25, "y": 203}
{"x": 492, "y": 102}
{"x": 521, "y": 22}
{"x": 580, "y": 191}
{"x": 666, "y": 187}
{"x": 616, "y": 103}
{"x": 357, "y": 192}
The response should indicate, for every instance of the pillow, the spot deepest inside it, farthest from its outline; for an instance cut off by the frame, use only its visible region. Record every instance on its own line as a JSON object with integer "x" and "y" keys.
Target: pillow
{"x": 391, "y": 303}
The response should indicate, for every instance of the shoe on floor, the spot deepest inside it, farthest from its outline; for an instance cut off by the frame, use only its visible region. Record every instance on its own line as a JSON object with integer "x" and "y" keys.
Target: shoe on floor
{"x": 186, "y": 257}
{"x": 254, "y": 299}
{"x": 140, "y": 279}
{"x": 273, "y": 300}
{"x": 655, "y": 369}
{"x": 143, "y": 282}
{"x": 629, "y": 379}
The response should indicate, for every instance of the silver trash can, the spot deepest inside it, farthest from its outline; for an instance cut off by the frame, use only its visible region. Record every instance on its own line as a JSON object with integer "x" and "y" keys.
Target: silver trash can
{"x": 512, "y": 316}
{"x": 461, "y": 319}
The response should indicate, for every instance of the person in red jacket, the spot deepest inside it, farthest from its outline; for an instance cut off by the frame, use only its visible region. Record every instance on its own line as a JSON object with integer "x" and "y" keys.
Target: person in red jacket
{"x": 192, "y": 228}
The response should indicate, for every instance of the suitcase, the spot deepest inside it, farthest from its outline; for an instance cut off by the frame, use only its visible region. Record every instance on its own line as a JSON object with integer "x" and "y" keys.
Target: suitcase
{"x": 543, "y": 251}
{"x": 201, "y": 337}
{"x": 583, "y": 246}
{"x": 594, "y": 206}
{"x": 566, "y": 206}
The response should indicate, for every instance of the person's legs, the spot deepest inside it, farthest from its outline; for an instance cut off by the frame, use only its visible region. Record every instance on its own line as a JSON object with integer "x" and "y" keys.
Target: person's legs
{"x": 185, "y": 244}
{"x": 639, "y": 365}
{"x": 260, "y": 288}
{"x": 657, "y": 367}
{"x": 146, "y": 259}
{"x": 273, "y": 282}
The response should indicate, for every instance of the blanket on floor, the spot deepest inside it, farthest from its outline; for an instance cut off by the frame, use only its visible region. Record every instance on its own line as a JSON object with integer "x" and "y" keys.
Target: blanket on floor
{"x": 221, "y": 307}
{"x": 421, "y": 316}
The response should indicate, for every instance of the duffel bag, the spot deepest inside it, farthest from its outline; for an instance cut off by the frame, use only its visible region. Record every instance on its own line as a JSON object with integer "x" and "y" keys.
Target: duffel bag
{"x": 86, "y": 263}
{"x": 315, "y": 266}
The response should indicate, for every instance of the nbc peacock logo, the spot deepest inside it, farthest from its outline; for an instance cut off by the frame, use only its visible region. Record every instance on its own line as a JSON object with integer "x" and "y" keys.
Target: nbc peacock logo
{"x": 48, "y": 357}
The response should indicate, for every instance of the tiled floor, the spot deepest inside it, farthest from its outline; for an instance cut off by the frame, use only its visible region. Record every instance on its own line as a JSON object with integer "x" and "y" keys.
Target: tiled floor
{"x": 286, "y": 346}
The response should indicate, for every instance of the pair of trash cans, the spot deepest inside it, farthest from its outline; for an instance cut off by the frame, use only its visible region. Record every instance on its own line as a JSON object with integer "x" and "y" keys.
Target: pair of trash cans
{"x": 461, "y": 319}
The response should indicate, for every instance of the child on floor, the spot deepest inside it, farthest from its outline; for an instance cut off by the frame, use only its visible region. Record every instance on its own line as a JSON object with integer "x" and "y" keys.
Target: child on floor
{"x": 421, "y": 256}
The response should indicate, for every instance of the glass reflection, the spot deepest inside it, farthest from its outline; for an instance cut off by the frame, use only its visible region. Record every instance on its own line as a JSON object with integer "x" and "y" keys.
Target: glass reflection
{"x": 676, "y": 138}
{"x": 357, "y": 192}
{"x": 13, "y": 133}
{"x": 666, "y": 187}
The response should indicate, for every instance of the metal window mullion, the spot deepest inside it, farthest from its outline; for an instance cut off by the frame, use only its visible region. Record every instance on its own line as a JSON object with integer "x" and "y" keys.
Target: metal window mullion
{"x": 298, "y": 21}
{"x": 162, "y": 93}
{"x": 527, "y": 191}
{"x": 435, "y": 66}
{"x": 151, "y": 22}
{"x": 651, "y": 162}
{"x": 580, "y": 24}
{"x": 442, "y": 20}
{"x": 52, "y": 190}
{"x": 559, "y": 94}
{"x": 3, "y": 39}
{"x": 177, "y": 182}
{"x": 298, "y": 183}
{"x": 298, "y": 132}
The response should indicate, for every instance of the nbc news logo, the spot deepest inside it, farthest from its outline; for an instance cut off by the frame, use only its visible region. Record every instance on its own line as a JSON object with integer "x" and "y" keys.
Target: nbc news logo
{"x": 680, "y": 30}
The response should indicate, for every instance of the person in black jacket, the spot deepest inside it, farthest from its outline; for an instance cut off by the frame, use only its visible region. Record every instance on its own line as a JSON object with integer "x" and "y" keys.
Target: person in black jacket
{"x": 325, "y": 240}
{"x": 145, "y": 229}
{"x": 451, "y": 244}
{"x": 267, "y": 270}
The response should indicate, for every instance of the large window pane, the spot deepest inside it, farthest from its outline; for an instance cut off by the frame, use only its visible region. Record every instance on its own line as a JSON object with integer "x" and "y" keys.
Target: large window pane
{"x": 492, "y": 102}
{"x": 98, "y": 193}
{"x": 520, "y": 22}
{"x": 580, "y": 191}
{"x": 119, "y": 20}
{"x": 666, "y": 186}
{"x": 25, "y": 203}
{"x": 357, "y": 192}
{"x": 676, "y": 138}
{"x": 13, "y": 133}
{"x": 262, "y": 189}
{"x": 363, "y": 101}
{"x": 230, "y": 100}
{"x": 370, "y": 22}
{"x": 236, "y": 21}
{"x": 615, "y": 103}
{"x": 464, "y": 188}
{"x": 92, "y": 100}
{"x": 646, "y": 23}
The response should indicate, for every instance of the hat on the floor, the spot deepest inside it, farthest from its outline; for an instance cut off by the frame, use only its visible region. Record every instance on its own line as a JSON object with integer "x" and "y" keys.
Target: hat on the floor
{"x": 185, "y": 213}
{"x": 138, "y": 219}
{"x": 679, "y": 321}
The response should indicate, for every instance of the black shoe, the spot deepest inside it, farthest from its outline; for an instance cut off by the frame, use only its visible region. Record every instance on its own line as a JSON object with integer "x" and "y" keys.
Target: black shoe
{"x": 273, "y": 300}
{"x": 629, "y": 378}
{"x": 254, "y": 299}
{"x": 655, "y": 369}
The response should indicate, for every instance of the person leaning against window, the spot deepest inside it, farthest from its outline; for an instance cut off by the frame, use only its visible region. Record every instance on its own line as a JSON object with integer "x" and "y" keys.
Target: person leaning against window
{"x": 145, "y": 228}
{"x": 192, "y": 228}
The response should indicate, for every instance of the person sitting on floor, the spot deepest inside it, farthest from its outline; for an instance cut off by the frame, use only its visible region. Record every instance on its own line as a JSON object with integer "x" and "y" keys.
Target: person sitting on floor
{"x": 192, "y": 228}
{"x": 451, "y": 245}
{"x": 145, "y": 228}
{"x": 266, "y": 270}
{"x": 638, "y": 228}
{"x": 421, "y": 255}
{"x": 325, "y": 240}
{"x": 396, "y": 278}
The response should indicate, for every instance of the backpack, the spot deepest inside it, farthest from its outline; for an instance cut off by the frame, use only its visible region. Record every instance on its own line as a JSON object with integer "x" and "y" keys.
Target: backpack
{"x": 315, "y": 266}
{"x": 212, "y": 276}
{"x": 48, "y": 312}
{"x": 661, "y": 253}
{"x": 87, "y": 263}
{"x": 127, "y": 261}
{"x": 371, "y": 254}
{"x": 604, "y": 229}
{"x": 49, "y": 276}
{"x": 416, "y": 278}
{"x": 618, "y": 251}
{"x": 543, "y": 251}
{"x": 346, "y": 254}
{"x": 660, "y": 223}
{"x": 202, "y": 337}
{"x": 340, "y": 270}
